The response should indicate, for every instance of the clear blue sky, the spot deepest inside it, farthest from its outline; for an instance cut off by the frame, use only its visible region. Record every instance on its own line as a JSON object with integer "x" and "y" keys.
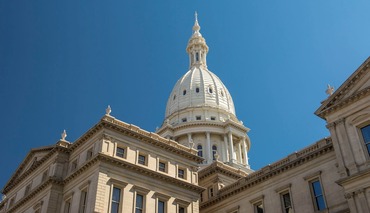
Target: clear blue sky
{"x": 63, "y": 62}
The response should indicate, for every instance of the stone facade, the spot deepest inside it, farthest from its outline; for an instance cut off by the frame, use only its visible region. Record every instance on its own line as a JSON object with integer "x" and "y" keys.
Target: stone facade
{"x": 118, "y": 167}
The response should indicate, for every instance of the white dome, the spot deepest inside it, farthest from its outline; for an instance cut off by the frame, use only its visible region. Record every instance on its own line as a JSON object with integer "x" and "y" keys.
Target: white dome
{"x": 197, "y": 88}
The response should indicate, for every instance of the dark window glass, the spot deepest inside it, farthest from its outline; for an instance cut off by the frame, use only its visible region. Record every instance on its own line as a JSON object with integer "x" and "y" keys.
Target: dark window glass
{"x": 210, "y": 90}
{"x": 120, "y": 152}
{"x": 174, "y": 97}
{"x": 67, "y": 207}
{"x": 83, "y": 201}
{"x": 197, "y": 56}
{"x": 287, "y": 203}
{"x": 259, "y": 208}
{"x": 214, "y": 151}
{"x": 116, "y": 197}
{"x": 89, "y": 154}
{"x": 213, "y": 118}
{"x": 198, "y": 118}
{"x": 318, "y": 195}
{"x": 184, "y": 92}
{"x": 139, "y": 203}
{"x": 200, "y": 150}
{"x": 162, "y": 167}
{"x": 141, "y": 159}
{"x": 197, "y": 90}
{"x": 181, "y": 173}
{"x": 160, "y": 206}
{"x": 181, "y": 209}
{"x": 366, "y": 135}
{"x": 184, "y": 119}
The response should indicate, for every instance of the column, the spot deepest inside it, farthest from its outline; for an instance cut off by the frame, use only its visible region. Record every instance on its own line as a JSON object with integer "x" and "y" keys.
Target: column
{"x": 343, "y": 140}
{"x": 208, "y": 148}
{"x": 231, "y": 148}
{"x": 363, "y": 202}
{"x": 351, "y": 202}
{"x": 240, "y": 153}
{"x": 338, "y": 151}
{"x": 227, "y": 158}
{"x": 245, "y": 152}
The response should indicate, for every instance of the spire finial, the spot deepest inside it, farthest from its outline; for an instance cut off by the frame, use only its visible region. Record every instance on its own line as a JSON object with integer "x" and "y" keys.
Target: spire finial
{"x": 108, "y": 110}
{"x": 196, "y": 26}
{"x": 330, "y": 90}
{"x": 63, "y": 135}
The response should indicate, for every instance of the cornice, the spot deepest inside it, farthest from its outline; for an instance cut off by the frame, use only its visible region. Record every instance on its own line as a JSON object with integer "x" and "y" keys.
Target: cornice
{"x": 150, "y": 173}
{"x": 152, "y": 138}
{"x": 292, "y": 161}
{"x": 334, "y": 101}
{"x": 15, "y": 180}
{"x": 219, "y": 167}
{"x": 34, "y": 192}
{"x": 345, "y": 102}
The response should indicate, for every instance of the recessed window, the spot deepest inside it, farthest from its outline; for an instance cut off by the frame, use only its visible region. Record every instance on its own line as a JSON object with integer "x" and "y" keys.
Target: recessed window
{"x": 74, "y": 165}
{"x": 174, "y": 97}
{"x": 83, "y": 201}
{"x": 27, "y": 190}
{"x": 161, "y": 206}
{"x": 120, "y": 152}
{"x": 89, "y": 154}
{"x": 44, "y": 175}
{"x": 258, "y": 207}
{"x": 11, "y": 202}
{"x": 213, "y": 118}
{"x": 141, "y": 160}
{"x": 210, "y": 192}
{"x": 214, "y": 151}
{"x": 200, "y": 150}
{"x": 197, "y": 57}
{"x": 184, "y": 119}
{"x": 210, "y": 90}
{"x": 139, "y": 206}
{"x": 198, "y": 118}
{"x": 116, "y": 198}
{"x": 318, "y": 195}
{"x": 286, "y": 202}
{"x": 162, "y": 166}
{"x": 181, "y": 173}
{"x": 366, "y": 136}
{"x": 222, "y": 93}
{"x": 197, "y": 90}
{"x": 181, "y": 209}
{"x": 67, "y": 206}
{"x": 184, "y": 92}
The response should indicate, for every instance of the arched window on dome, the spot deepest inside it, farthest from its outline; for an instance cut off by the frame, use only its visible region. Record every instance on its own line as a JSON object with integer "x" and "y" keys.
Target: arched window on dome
{"x": 200, "y": 150}
{"x": 210, "y": 89}
{"x": 214, "y": 151}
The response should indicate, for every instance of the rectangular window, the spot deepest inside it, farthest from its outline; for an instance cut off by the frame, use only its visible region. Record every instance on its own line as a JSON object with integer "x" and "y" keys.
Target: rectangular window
{"x": 45, "y": 175}
{"x": 161, "y": 206}
{"x": 213, "y": 118}
{"x": 116, "y": 198}
{"x": 67, "y": 206}
{"x": 27, "y": 190}
{"x": 181, "y": 173}
{"x": 198, "y": 118}
{"x": 73, "y": 165}
{"x": 181, "y": 209}
{"x": 287, "y": 203}
{"x": 184, "y": 119}
{"x": 120, "y": 152}
{"x": 258, "y": 207}
{"x": 210, "y": 192}
{"x": 89, "y": 154}
{"x": 83, "y": 201}
{"x": 139, "y": 208}
{"x": 162, "y": 166}
{"x": 318, "y": 195}
{"x": 11, "y": 202}
{"x": 141, "y": 160}
{"x": 366, "y": 136}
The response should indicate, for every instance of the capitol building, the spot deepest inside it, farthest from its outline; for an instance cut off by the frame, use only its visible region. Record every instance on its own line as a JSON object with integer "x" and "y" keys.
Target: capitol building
{"x": 197, "y": 160}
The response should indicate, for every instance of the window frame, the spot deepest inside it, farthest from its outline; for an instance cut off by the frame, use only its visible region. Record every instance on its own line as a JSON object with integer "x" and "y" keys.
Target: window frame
{"x": 142, "y": 192}
{"x": 140, "y": 161}
{"x": 114, "y": 183}
{"x": 258, "y": 201}
{"x": 315, "y": 197}
{"x": 200, "y": 150}
{"x": 89, "y": 153}
{"x": 181, "y": 175}
{"x": 165, "y": 166}
{"x": 68, "y": 198}
{"x": 118, "y": 154}
{"x": 181, "y": 204}
{"x": 84, "y": 188}
{"x": 364, "y": 143}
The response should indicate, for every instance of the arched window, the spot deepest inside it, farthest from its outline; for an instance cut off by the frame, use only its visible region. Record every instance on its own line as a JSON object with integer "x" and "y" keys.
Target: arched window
{"x": 200, "y": 150}
{"x": 214, "y": 151}
{"x": 196, "y": 57}
{"x": 210, "y": 90}
{"x": 184, "y": 92}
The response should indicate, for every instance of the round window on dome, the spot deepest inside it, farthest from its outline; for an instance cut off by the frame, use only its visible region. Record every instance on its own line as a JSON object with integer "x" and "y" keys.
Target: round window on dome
{"x": 184, "y": 92}
{"x": 210, "y": 89}
{"x": 222, "y": 93}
